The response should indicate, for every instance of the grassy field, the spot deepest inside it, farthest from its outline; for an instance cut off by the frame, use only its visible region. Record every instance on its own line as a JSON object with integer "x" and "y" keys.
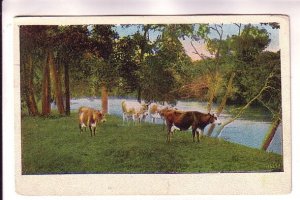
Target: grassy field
{"x": 53, "y": 145}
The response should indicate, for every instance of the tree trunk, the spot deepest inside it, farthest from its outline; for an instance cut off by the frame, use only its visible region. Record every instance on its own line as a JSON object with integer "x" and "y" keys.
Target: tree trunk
{"x": 139, "y": 95}
{"x": 46, "y": 106}
{"x": 67, "y": 89}
{"x": 271, "y": 133}
{"x": 215, "y": 83}
{"x": 30, "y": 99}
{"x": 57, "y": 84}
{"x": 142, "y": 55}
{"x": 210, "y": 101}
{"x": 104, "y": 99}
{"x": 223, "y": 103}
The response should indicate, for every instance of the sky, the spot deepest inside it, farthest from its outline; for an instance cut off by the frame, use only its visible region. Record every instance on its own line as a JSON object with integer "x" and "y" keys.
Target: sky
{"x": 228, "y": 30}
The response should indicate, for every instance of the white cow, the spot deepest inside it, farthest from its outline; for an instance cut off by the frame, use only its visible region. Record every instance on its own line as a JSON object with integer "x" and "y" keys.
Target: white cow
{"x": 134, "y": 110}
{"x": 155, "y": 109}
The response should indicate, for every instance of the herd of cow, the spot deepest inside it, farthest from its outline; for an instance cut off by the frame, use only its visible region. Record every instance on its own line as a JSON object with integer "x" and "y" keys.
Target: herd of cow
{"x": 173, "y": 118}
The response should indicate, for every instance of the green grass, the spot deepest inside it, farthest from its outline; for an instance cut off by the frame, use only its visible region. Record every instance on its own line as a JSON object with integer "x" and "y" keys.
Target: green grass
{"x": 54, "y": 145}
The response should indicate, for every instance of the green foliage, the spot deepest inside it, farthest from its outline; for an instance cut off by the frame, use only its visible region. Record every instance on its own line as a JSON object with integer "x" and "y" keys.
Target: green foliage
{"x": 102, "y": 40}
{"x": 271, "y": 99}
{"x": 54, "y": 145}
{"x": 250, "y": 43}
{"x": 166, "y": 70}
{"x": 203, "y": 31}
{"x": 157, "y": 80}
{"x": 125, "y": 61}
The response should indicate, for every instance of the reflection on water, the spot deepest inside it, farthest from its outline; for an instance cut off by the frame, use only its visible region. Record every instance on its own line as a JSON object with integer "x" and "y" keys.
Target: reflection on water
{"x": 246, "y": 132}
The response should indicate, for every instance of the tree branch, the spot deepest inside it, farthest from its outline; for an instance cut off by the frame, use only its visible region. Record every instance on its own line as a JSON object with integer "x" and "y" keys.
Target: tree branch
{"x": 265, "y": 87}
{"x": 239, "y": 26}
{"x": 196, "y": 51}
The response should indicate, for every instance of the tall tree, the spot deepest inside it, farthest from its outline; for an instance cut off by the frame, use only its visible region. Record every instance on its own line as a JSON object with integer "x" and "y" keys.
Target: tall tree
{"x": 102, "y": 42}
{"x": 125, "y": 61}
{"x": 245, "y": 49}
{"x": 46, "y": 89}
{"x": 29, "y": 88}
{"x": 166, "y": 68}
{"x": 57, "y": 83}
{"x": 229, "y": 66}
{"x": 73, "y": 45}
{"x": 218, "y": 48}
{"x": 28, "y": 44}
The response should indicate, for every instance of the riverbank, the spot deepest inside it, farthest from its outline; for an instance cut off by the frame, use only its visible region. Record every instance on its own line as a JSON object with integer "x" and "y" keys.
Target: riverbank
{"x": 54, "y": 146}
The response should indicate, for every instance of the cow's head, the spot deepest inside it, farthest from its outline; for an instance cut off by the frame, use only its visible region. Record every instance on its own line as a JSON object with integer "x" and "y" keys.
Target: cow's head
{"x": 214, "y": 120}
{"x": 100, "y": 117}
{"x": 162, "y": 112}
{"x": 145, "y": 106}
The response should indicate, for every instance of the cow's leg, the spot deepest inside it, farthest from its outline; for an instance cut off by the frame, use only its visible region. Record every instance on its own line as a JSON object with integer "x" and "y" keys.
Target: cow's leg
{"x": 94, "y": 128}
{"x": 199, "y": 133}
{"x": 80, "y": 128}
{"x": 164, "y": 124}
{"x": 169, "y": 126}
{"x": 133, "y": 119}
{"x": 174, "y": 128}
{"x": 194, "y": 133}
{"x": 169, "y": 136}
{"x": 91, "y": 130}
{"x": 124, "y": 118}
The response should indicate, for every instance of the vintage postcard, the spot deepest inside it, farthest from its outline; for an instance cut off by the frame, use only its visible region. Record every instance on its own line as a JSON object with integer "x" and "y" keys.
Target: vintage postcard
{"x": 152, "y": 105}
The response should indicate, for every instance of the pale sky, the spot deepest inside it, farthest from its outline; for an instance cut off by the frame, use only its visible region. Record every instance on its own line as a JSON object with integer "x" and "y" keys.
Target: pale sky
{"x": 229, "y": 29}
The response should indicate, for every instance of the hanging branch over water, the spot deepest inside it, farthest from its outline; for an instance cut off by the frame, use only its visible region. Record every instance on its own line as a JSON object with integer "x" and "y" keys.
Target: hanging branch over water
{"x": 264, "y": 88}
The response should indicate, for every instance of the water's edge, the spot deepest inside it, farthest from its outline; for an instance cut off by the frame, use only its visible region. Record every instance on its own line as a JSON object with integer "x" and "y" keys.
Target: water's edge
{"x": 242, "y": 131}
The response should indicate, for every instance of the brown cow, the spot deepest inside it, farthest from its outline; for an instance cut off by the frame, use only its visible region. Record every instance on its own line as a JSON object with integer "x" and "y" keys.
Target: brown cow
{"x": 183, "y": 120}
{"x": 89, "y": 117}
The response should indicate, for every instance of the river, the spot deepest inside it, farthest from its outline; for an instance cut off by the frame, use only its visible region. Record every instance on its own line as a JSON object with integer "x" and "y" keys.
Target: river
{"x": 242, "y": 131}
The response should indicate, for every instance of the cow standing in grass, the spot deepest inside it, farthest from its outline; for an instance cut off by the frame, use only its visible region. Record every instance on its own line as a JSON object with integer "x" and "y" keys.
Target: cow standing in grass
{"x": 134, "y": 110}
{"x": 183, "y": 120}
{"x": 89, "y": 117}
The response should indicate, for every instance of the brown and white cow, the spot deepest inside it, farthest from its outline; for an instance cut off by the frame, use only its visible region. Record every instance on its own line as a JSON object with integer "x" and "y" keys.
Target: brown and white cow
{"x": 134, "y": 110}
{"x": 183, "y": 120}
{"x": 89, "y": 117}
